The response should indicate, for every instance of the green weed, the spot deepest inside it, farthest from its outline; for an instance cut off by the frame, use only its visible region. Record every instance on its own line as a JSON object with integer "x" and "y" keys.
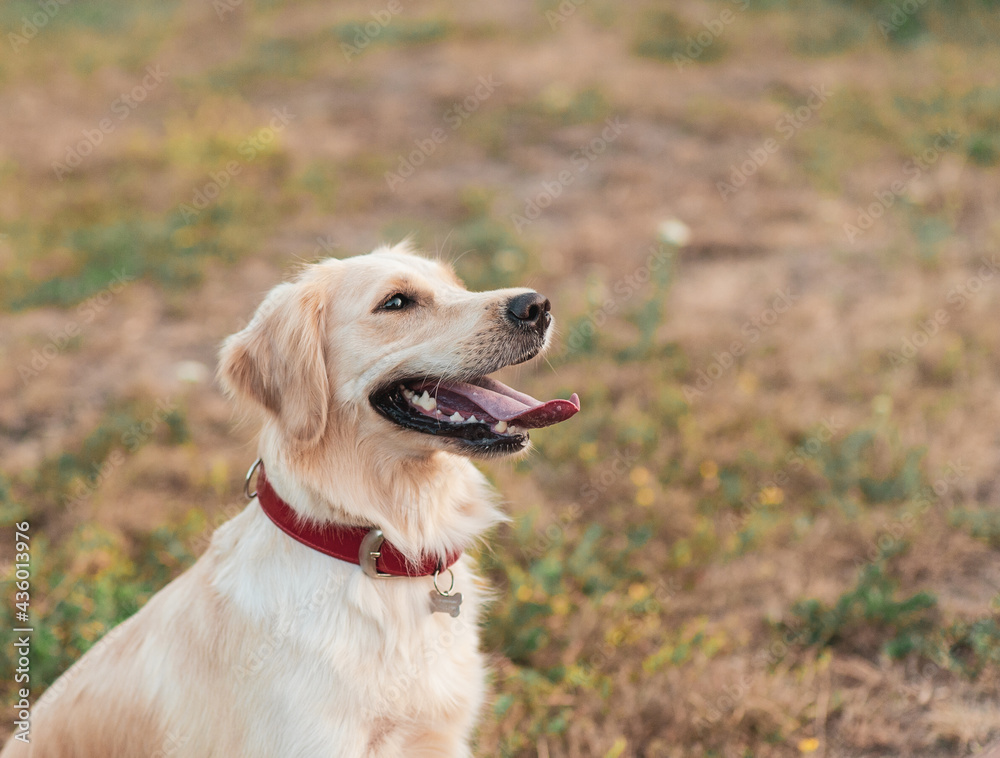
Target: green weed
{"x": 866, "y": 462}
{"x": 982, "y": 524}
{"x": 867, "y": 615}
{"x": 664, "y": 35}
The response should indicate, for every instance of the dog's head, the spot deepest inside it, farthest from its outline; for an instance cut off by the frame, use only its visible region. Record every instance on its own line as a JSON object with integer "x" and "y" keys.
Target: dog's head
{"x": 392, "y": 344}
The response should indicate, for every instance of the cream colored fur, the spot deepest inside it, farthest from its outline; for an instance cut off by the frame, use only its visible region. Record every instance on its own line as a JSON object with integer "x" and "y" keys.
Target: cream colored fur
{"x": 266, "y": 648}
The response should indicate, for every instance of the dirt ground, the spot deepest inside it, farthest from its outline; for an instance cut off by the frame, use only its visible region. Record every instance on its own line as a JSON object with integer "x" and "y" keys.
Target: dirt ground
{"x": 794, "y": 379}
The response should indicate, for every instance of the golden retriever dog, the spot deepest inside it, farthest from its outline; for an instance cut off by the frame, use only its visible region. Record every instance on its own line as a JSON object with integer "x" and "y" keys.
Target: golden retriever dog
{"x": 337, "y": 614}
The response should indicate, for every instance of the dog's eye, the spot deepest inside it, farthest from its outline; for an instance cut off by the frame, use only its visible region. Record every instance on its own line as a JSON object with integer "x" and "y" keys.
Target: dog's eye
{"x": 396, "y": 302}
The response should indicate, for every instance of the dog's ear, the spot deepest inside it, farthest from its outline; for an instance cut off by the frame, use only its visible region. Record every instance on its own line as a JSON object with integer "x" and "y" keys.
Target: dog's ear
{"x": 279, "y": 360}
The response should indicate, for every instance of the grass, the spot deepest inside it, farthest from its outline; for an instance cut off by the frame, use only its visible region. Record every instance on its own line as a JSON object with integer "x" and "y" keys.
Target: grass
{"x": 767, "y": 567}
{"x": 664, "y": 36}
{"x": 869, "y": 612}
{"x": 982, "y": 524}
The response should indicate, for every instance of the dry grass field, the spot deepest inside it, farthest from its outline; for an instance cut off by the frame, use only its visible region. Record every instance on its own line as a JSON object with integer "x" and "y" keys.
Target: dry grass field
{"x": 769, "y": 231}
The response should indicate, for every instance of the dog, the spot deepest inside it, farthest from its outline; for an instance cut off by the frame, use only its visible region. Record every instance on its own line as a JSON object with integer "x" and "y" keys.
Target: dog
{"x": 370, "y": 375}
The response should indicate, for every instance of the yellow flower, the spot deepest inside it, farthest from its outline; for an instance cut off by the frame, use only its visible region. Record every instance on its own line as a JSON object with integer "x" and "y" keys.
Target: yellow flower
{"x": 185, "y": 236}
{"x": 560, "y": 605}
{"x": 747, "y": 383}
{"x": 588, "y": 451}
{"x": 524, "y": 593}
{"x": 708, "y": 469}
{"x": 91, "y": 630}
{"x": 640, "y": 476}
{"x": 638, "y": 591}
{"x": 772, "y": 496}
{"x": 645, "y": 497}
{"x": 810, "y": 745}
{"x": 617, "y": 748}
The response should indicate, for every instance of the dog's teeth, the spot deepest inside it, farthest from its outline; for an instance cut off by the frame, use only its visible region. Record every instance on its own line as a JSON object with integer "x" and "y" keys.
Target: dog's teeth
{"x": 408, "y": 393}
{"x": 456, "y": 417}
{"x": 424, "y": 401}
{"x": 501, "y": 427}
{"x": 472, "y": 420}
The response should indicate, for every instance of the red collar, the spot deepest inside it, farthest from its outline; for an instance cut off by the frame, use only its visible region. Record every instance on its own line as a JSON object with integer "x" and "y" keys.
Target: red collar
{"x": 353, "y": 544}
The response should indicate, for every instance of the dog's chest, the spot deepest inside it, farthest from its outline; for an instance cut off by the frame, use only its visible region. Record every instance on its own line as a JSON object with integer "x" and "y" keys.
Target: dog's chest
{"x": 398, "y": 648}
{"x": 366, "y": 656}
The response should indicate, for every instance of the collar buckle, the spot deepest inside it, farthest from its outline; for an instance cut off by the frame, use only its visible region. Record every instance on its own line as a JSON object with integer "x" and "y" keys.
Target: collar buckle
{"x": 369, "y": 553}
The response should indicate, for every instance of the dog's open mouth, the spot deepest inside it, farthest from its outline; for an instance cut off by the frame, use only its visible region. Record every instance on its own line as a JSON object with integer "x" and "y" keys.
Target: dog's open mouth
{"x": 482, "y": 412}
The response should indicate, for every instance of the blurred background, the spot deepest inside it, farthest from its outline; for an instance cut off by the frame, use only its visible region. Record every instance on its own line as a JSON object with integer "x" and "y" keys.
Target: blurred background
{"x": 769, "y": 232}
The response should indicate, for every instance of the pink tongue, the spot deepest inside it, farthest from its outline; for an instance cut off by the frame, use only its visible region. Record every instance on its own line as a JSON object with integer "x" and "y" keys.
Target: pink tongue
{"x": 505, "y": 404}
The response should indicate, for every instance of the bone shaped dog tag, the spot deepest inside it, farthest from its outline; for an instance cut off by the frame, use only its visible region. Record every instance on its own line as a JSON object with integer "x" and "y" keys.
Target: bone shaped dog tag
{"x": 450, "y": 604}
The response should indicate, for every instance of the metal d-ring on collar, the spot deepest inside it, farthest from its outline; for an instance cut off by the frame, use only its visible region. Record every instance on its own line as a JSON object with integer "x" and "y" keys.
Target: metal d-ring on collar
{"x": 246, "y": 482}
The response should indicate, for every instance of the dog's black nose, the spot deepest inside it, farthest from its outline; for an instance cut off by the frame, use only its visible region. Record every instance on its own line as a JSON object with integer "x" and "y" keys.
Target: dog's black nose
{"x": 530, "y": 310}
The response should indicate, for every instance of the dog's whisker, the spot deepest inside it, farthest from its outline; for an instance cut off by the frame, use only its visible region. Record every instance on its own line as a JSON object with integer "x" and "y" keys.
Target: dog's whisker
{"x": 470, "y": 250}
{"x": 549, "y": 364}
{"x": 440, "y": 250}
